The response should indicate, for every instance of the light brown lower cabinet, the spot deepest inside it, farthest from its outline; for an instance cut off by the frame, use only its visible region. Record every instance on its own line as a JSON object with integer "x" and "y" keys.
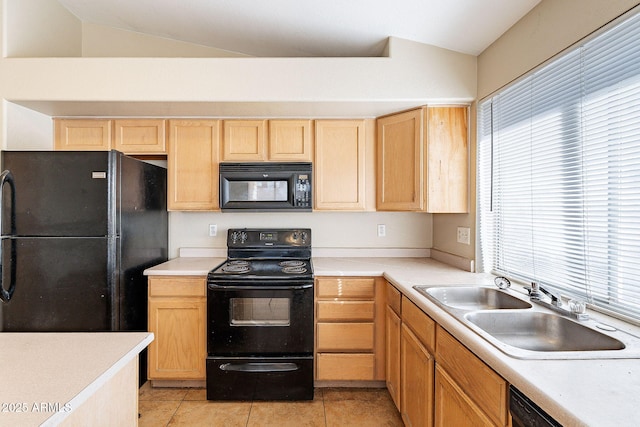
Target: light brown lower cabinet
{"x": 433, "y": 379}
{"x": 479, "y": 385}
{"x": 349, "y": 323}
{"x": 393, "y": 330}
{"x": 453, "y": 406}
{"x": 177, "y": 318}
{"x": 416, "y": 379}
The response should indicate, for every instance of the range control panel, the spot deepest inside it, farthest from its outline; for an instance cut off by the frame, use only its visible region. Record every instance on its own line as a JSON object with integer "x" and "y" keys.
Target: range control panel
{"x": 260, "y": 238}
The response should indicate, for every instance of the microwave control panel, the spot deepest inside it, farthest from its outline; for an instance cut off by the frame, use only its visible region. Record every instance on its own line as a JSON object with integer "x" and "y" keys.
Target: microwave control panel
{"x": 303, "y": 190}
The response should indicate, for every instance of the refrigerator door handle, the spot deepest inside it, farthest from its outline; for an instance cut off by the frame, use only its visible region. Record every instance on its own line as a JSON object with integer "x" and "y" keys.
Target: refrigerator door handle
{"x": 7, "y": 178}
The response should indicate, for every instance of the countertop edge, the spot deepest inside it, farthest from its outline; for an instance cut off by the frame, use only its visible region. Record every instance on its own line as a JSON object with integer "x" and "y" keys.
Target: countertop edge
{"x": 94, "y": 386}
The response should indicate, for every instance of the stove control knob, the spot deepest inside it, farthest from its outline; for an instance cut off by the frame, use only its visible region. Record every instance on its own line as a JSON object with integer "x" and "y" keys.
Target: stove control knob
{"x": 238, "y": 236}
{"x": 304, "y": 236}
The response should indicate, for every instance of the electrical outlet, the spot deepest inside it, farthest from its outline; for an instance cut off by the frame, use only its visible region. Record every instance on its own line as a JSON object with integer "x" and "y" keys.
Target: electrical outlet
{"x": 213, "y": 230}
{"x": 382, "y": 230}
{"x": 464, "y": 235}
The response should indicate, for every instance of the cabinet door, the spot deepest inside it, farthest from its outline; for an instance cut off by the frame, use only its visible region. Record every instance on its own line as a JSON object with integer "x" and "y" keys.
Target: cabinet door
{"x": 82, "y": 134}
{"x": 179, "y": 348}
{"x": 290, "y": 140}
{"x": 401, "y": 163}
{"x": 340, "y": 165}
{"x": 140, "y": 136}
{"x": 481, "y": 384}
{"x": 416, "y": 379}
{"x": 193, "y": 164}
{"x": 244, "y": 140}
{"x": 447, "y": 160}
{"x": 392, "y": 347}
{"x": 453, "y": 407}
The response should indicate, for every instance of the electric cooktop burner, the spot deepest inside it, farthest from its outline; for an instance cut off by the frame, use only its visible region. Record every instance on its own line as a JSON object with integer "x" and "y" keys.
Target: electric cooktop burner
{"x": 262, "y": 268}
{"x": 236, "y": 266}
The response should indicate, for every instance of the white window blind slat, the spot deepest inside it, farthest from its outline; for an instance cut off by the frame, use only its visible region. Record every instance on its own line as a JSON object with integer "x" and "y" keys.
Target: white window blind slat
{"x": 559, "y": 174}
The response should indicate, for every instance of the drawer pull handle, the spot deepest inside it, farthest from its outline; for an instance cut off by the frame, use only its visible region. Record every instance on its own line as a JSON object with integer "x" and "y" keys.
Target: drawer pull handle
{"x": 259, "y": 367}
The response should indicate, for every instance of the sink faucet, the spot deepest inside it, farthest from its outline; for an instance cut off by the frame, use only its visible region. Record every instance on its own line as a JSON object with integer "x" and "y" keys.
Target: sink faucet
{"x": 536, "y": 291}
{"x": 536, "y": 295}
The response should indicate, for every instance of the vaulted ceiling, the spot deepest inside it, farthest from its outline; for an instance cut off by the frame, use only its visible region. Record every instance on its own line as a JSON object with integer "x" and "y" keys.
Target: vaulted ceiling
{"x": 310, "y": 28}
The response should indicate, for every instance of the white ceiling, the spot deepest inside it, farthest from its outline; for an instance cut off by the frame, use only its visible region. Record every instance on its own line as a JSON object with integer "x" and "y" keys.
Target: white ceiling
{"x": 310, "y": 28}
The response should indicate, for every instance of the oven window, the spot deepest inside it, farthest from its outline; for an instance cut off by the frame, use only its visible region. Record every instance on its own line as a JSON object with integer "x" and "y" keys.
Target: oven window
{"x": 258, "y": 191}
{"x": 259, "y": 312}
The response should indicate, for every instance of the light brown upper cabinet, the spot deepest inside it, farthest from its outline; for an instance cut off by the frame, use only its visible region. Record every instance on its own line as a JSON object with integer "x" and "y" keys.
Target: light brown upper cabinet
{"x": 291, "y": 140}
{"x": 267, "y": 140}
{"x": 131, "y": 136}
{"x": 193, "y": 164}
{"x": 423, "y": 160}
{"x": 341, "y": 158}
{"x": 82, "y": 134}
{"x": 244, "y": 140}
{"x": 140, "y": 136}
{"x": 447, "y": 160}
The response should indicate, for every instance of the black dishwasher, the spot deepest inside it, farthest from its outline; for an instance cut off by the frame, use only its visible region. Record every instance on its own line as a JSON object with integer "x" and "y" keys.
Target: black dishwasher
{"x": 525, "y": 413}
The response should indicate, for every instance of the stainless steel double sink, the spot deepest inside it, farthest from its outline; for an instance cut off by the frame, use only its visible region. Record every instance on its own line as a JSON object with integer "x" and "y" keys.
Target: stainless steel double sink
{"x": 526, "y": 331}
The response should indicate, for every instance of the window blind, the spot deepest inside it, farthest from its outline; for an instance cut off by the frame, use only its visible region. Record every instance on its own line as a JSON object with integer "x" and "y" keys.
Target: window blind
{"x": 559, "y": 174}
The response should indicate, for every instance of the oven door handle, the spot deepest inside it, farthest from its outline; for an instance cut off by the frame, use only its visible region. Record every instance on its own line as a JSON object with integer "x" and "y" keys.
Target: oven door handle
{"x": 259, "y": 367}
{"x": 216, "y": 287}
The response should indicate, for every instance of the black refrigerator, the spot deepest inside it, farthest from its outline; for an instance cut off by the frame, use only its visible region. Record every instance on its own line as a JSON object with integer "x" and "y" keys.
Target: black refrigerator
{"x": 77, "y": 231}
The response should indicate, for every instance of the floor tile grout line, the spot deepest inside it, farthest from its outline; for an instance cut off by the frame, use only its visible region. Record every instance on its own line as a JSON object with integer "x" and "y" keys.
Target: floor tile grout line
{"x": 177, "y": 408}
{"x": 324, "y": 407}
{"x": 249, "y": 414}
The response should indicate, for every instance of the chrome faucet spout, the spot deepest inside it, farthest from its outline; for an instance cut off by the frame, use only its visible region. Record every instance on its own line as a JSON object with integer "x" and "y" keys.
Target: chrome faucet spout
{"x": 556, "y": 299}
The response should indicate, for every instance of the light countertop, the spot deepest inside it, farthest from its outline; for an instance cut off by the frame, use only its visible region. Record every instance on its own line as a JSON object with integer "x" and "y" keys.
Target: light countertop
{"x": 185, "y": 266}
{"x": 575, "y": 392}
{"x": 42, "y": 372}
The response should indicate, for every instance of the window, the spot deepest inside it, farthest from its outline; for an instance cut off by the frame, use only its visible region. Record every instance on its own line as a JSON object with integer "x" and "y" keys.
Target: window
{"x": 559, "y": 174}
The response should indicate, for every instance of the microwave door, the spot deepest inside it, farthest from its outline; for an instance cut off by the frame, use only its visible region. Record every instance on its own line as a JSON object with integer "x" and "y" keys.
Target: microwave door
{"x": 258, "y": 191}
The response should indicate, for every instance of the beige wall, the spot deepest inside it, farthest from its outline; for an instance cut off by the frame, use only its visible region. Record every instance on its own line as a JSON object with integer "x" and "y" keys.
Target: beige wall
{"x": 329, "y": 229}
{"x": 101, "y": 41}
{"x": 40, "y": 28}
{"x": 548, "y": 29}
{"x": 552, "y": 26}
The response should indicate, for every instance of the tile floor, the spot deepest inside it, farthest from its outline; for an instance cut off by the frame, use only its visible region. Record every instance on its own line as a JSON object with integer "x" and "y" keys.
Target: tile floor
{"x": 331, "y": 407}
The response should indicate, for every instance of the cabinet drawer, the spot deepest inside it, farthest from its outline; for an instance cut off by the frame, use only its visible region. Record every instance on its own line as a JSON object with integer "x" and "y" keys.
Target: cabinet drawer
{"x": 341, "y": 287}
{"x": 345, "y": 310}
{"x": 183, "y": 286}
{"x": 422, "y": 325}
{"x": 393, "y": 298}
{"x": 345, "y": 336}
{"x": 345, "y": 367}
{"x": 486, "y": 388}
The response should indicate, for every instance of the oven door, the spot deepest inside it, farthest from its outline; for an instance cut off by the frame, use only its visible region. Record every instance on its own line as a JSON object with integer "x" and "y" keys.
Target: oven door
{"x": 260, "y": 320}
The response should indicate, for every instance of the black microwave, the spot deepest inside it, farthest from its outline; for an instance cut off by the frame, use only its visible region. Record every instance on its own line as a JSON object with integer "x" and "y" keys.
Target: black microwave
{"x": 266, "y": 186}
